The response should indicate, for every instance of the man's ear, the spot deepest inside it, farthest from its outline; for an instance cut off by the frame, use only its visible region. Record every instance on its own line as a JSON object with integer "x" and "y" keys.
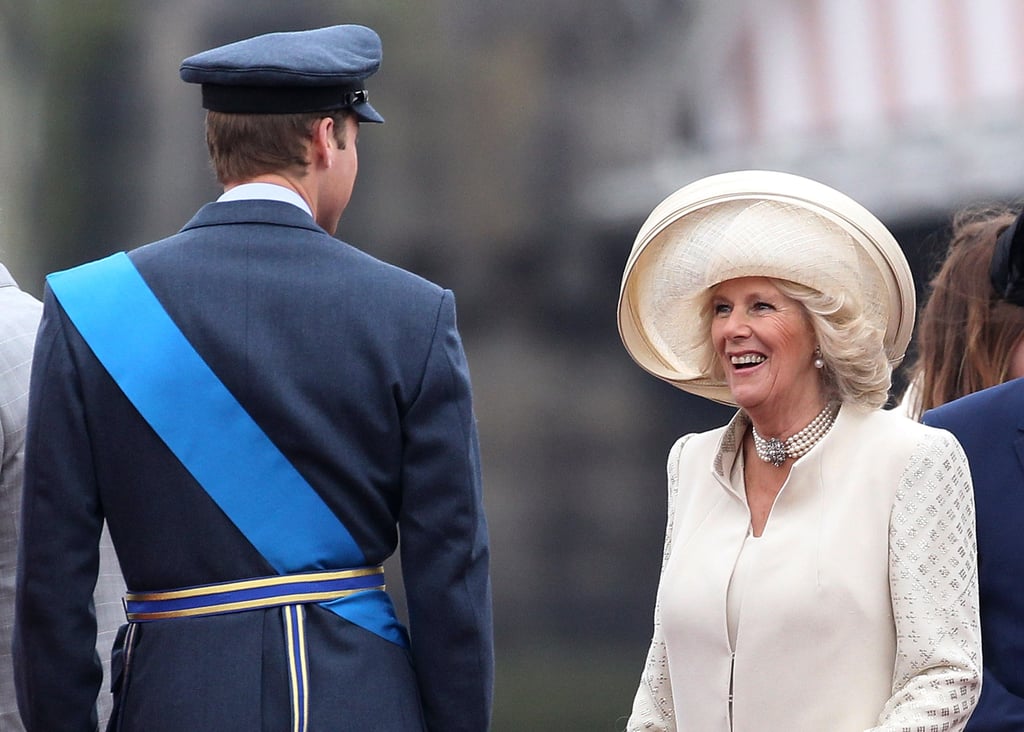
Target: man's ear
{"x": 323, "y": 141}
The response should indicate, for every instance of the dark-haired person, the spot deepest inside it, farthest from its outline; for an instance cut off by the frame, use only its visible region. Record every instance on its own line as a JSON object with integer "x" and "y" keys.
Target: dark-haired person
{"x": 258, "y": 409}
{"x": 989, "y": 423}
{"x": 969, "y": 336}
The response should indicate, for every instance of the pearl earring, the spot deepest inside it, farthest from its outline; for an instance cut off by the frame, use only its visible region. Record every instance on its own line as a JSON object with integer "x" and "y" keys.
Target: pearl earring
{"x": 819, "y": 362}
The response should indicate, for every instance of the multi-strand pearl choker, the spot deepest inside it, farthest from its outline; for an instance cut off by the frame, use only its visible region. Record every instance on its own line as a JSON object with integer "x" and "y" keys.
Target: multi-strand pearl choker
{"x": 775, "y": 451}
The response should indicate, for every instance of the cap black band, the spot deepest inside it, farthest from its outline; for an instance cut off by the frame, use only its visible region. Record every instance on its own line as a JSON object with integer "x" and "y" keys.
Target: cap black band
{"x": 1006, "y": 270}
{"x": 281, "y": 99}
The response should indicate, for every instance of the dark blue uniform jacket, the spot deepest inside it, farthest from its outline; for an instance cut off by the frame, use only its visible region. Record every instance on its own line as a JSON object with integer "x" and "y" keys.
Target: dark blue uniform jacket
{"x": 355, "y": 370}
{"x": 990, "y": 426}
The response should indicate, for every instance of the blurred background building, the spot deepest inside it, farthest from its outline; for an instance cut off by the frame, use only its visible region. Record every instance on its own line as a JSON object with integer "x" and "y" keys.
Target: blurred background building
{"x": 525, "y": 143}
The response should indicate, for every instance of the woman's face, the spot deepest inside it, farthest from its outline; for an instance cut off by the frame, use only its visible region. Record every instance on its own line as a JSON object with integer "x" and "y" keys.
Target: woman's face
{"x": 765, "y": 344}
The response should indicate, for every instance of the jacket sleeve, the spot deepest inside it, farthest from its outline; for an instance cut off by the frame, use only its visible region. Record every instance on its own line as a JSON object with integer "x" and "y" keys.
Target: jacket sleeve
{"x": 999, "y": 710}
{"x": 653, "y": 710}
{"x": 933, "y": 580}
{"x": 57, "y": 669}
{"x": 444, "y": 542}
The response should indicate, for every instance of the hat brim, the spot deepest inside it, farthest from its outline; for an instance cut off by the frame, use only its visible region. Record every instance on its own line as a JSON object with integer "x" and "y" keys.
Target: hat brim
{"x": 862, "y": 227}
{"x": 365, "y": 113}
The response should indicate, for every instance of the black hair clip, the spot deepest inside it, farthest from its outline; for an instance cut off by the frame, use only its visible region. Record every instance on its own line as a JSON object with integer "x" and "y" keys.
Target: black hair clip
{"x": 1007, "y": 269}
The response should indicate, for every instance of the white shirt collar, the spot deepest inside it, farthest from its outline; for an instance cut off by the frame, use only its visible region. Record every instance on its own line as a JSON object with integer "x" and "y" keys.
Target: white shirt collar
{"x": 265, "y": 192}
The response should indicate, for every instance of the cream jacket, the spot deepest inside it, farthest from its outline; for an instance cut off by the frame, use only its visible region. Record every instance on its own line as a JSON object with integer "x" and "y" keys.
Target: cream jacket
{"x": 862, "y": 613}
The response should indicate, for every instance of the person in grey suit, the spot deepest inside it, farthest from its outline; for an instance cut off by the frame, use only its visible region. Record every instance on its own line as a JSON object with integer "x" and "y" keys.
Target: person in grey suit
{"x": 263, "y": 415}
{"x": 19, "y": 320}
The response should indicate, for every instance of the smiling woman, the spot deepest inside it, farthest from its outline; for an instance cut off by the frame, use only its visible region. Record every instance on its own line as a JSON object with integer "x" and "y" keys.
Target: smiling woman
{"x": 814, "y": 527}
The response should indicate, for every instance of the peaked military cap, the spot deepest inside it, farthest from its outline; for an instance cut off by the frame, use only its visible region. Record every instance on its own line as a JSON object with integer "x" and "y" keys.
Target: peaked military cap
{"x": 281, "y": 73}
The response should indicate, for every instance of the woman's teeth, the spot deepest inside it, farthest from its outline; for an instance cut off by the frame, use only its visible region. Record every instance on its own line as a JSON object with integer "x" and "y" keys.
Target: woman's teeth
{"x": 748, "y": 359}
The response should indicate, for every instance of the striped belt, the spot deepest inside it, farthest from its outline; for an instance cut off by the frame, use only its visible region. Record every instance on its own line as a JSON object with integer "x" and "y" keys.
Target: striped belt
{"x": 251, "y": 594}
{"x": 290, "y": 592}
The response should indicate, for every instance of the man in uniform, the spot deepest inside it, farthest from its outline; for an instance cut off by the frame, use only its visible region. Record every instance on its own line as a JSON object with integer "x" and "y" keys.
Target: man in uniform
{"x": 258, "y": 410}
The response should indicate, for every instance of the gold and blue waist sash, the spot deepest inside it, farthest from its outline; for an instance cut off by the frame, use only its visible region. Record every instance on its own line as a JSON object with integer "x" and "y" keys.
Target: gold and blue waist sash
{"x": 289, "y": 592}
{"x": 251, "y": 594}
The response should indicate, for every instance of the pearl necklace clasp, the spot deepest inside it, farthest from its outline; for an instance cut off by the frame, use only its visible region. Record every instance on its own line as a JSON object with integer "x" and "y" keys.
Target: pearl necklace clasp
{"x": 775, "y": 451}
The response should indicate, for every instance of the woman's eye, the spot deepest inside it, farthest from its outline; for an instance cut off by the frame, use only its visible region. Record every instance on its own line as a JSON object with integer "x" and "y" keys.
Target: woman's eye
{"x": 760, "y": 305}
{"x": 720, "y": 309}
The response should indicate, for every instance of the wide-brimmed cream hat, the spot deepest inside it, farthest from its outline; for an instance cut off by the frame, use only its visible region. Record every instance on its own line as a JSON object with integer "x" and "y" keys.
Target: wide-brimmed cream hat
{"x": 754, "y": 223}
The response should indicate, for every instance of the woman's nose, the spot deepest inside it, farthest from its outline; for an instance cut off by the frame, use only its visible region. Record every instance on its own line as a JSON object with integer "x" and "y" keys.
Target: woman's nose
{"x": 736, "y": 325}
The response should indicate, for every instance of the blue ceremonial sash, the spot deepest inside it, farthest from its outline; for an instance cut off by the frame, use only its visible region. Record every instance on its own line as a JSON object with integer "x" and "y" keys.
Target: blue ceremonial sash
{"x": 216, "y": 440}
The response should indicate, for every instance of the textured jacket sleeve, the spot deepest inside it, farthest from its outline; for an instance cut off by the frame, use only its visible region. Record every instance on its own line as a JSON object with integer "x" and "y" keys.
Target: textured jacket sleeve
{"x": 444, "y": 544}
{"x": 19, "y": 319}
{"x": 934, "y": 585}
{"x": 652, "y": 705}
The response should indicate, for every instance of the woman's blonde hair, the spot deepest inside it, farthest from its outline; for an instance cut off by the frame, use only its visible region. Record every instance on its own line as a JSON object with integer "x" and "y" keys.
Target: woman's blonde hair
{"x": 856, "y": 371}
